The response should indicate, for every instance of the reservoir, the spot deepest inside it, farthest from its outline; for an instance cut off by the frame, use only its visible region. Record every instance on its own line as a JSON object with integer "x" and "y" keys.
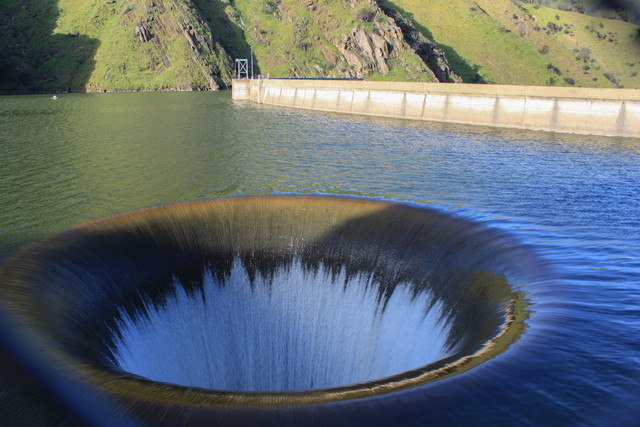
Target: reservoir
{"x": 572, "y": 202}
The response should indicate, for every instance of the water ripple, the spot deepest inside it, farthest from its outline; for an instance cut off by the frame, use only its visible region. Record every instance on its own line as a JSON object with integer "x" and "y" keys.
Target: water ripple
{"x": 574, "y": 199}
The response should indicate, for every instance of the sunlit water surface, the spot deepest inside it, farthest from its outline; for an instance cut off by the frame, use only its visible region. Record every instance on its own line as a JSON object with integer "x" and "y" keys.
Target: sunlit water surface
{"x": 574, "y": 199}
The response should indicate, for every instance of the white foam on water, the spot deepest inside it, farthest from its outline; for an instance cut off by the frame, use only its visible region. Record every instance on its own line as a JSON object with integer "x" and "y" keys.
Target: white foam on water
{"x": 301, "y": 330}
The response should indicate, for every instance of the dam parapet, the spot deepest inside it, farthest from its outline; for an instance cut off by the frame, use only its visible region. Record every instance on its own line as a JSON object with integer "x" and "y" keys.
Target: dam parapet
{"x": 595, "y": 111}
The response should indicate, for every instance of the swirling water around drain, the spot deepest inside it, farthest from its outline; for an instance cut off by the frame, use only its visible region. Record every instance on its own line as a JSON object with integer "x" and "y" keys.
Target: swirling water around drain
{"x": 265, "y": 305}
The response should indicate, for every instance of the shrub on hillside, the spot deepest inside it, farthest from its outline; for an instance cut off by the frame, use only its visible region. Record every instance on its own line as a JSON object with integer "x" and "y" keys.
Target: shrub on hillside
{"x": 613, "y": 77}
{"x": 622, "y": 15}
{"x": 366, "y": 14}
{"x": 553, "y": 27}
{"x": 554, "y": 69}
{"x": 271, "y": 7}
{"x": 584, "y": 55}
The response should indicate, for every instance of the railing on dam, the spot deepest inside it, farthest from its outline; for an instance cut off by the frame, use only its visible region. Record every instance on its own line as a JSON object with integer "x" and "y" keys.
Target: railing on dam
{"x": 614, "y": 112}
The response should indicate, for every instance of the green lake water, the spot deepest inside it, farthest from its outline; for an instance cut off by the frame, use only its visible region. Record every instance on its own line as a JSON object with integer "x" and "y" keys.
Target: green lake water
{"x": 575, "y": 200}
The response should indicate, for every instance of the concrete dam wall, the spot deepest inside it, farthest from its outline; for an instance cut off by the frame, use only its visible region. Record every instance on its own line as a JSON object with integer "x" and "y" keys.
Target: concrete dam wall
{"x": 612, "y": 112}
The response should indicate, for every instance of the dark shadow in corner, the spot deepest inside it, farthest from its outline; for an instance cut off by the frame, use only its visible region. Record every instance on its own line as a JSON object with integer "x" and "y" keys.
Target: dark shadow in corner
{"x": 33, "y": 58}
{"x": 468, "y": 73}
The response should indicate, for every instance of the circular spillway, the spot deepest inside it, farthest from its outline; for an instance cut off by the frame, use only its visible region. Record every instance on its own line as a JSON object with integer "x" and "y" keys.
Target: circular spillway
{"x": 260, "y": 301}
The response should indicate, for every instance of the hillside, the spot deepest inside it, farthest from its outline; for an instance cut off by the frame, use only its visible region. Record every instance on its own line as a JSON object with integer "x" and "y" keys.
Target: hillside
{"x": 624, "y": 10}
{"x": 113, "y": 45}
{"x": 315, "y": 38}
{"x": 500, "y": 42}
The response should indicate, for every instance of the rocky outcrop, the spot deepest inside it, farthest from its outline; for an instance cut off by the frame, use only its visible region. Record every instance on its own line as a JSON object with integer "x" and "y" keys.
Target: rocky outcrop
{"x": 366, "y": 52}
{"x": 425, "y": 48}
{"x": 163, "y": 23}
{"x": 377, "y": 44}
{"x": 142, "y": 32}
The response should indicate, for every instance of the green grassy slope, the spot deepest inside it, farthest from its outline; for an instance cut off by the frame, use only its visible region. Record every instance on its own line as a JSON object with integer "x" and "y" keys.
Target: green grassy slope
{"x": 293, "y": 38}
{"x": 111, "y": 45}
{"x": 498, "y": 42}
{"x": 50, "y": 45}
{"x": 122, "y": 60}
{"x": 625, "y": 10}
{"x": 606, "y": 50}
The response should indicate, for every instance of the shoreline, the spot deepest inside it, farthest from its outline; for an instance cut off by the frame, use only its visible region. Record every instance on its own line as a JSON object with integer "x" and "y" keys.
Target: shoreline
{"x": 57, "y": 92}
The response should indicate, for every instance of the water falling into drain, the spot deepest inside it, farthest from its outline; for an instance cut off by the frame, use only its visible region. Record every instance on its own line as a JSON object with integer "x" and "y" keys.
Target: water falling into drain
{"x": 208, "y": 308}
{"x": 297, "y": 330}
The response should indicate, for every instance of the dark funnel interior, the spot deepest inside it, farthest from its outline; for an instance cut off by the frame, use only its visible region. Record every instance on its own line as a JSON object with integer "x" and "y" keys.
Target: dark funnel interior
{"x": 74, "y": 298}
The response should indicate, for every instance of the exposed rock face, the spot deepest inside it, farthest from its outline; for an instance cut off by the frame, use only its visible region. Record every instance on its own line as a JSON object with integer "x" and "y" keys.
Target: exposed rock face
{"x": 368, "y": 47}
{"x": 158, "y": 26}
{"x": 329, "y": 56}
{"x": 142, "y": 32}
{"x": 366, "y": 52}
{"x": 425, "y": 48}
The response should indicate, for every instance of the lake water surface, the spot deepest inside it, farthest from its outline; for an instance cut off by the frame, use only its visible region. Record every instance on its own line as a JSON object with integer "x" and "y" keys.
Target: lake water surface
{"x": 574, "y": 199}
